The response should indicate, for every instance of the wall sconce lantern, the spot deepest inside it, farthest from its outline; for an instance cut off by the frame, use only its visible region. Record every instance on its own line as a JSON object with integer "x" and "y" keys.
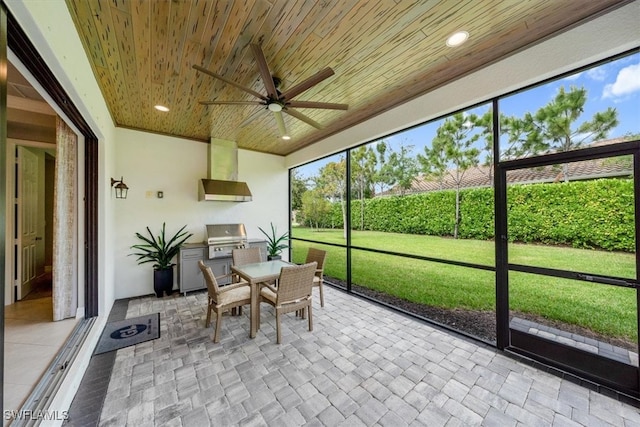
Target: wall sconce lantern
{"x": 121, "y": 188}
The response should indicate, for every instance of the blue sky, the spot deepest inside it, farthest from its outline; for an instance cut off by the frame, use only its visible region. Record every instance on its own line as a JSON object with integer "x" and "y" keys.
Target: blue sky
{"x": 614, "y": 84}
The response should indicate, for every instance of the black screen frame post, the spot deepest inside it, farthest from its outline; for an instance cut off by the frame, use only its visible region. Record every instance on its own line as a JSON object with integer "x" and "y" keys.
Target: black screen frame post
{"x": 3, "y": 173}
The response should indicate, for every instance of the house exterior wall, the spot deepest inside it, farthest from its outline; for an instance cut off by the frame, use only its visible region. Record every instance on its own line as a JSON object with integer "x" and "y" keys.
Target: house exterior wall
{"x": 150, "y": 163}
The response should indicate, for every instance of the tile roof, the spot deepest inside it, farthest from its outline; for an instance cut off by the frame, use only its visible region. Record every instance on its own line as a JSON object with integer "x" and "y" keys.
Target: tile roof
{"x": 481, "y": 176}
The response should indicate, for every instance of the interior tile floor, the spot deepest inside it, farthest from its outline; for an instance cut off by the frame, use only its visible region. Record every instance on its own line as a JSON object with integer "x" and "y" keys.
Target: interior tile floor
{"x": 31, "y": 342}
{"x": 362, "y": 365}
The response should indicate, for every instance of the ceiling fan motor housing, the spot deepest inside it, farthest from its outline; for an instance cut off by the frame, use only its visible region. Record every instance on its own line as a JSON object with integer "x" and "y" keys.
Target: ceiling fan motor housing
{"x": 275, "y": 105}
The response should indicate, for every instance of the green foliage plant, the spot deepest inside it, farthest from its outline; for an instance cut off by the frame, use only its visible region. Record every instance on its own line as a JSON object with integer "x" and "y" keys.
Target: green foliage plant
{"x": 158, "y": 249}
{"x": 275, "y": 243}
{"x": 398, "y": 167}
{"x": 595, "y": 214}
{"x": 332, "y": 184}
{"x": 555, "y": 126}
{"x": 315, "y": 207}
{"x": 453, "y": 145}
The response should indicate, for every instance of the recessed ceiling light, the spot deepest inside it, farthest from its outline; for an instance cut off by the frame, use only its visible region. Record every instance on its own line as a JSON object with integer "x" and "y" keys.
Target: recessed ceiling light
{"x": 286, "y": 137}
{"x": 457, "y": 38}
{"x": 161, "y": 108}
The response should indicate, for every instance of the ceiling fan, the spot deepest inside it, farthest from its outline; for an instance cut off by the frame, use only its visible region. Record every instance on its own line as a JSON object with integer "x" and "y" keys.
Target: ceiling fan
{"x": 276, "y": 101}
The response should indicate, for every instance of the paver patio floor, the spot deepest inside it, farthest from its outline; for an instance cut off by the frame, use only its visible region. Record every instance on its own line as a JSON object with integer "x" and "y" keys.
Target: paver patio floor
{"x": 362, "y": 365}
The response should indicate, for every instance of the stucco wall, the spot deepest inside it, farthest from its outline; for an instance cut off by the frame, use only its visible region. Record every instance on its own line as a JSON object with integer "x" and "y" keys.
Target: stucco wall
{"x": 150, "y": 163}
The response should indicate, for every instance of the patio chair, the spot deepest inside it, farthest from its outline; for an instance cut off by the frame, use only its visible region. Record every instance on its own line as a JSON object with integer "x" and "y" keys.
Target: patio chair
{"x": 318, "y": 256}
{"x": 293, "y": 293}
{"x": 245, "y": 256}
{"x": 221, "y": 299}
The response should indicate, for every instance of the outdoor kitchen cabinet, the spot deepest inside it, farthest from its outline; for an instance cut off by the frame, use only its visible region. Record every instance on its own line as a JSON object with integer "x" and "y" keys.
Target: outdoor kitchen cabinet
{"x": 220, "y": 267}
{"x": 189, "y": 273}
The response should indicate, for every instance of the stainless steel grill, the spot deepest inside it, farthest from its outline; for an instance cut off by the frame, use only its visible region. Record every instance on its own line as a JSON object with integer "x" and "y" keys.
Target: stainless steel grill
{"x": 223, "y": 238}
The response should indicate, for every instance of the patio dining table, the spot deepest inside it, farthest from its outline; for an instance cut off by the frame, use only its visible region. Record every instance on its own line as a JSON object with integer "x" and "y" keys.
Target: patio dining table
{"x": 255, "y": 274}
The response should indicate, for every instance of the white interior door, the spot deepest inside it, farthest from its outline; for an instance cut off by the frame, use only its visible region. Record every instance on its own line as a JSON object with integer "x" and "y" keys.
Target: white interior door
{"x": 26, "y": 216}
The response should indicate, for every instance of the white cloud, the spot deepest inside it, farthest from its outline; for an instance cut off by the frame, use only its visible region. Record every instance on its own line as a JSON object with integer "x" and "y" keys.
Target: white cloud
{"x": 628, "y": 81}
{"x": 572, "y": 77}
{"x": 597, "y": 74}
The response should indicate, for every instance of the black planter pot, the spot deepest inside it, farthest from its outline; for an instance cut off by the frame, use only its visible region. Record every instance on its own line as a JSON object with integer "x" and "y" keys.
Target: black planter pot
{"x": 273, "y": 257}
{"x": 163, "y": 281}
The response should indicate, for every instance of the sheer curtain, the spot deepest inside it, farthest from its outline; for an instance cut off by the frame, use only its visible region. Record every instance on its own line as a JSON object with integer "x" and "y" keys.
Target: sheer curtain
{"x": 65, "y": 238}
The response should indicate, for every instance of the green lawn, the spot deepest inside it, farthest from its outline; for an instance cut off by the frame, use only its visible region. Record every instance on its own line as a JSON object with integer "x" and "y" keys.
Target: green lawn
{"x": 607, "y": 310}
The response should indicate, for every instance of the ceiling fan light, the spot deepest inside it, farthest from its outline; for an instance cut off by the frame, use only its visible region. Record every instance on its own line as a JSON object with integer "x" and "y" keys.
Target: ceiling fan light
{"x": 275, "y": 107}
{"x": 286, "y": 137}
{"x": 457, "y": 38}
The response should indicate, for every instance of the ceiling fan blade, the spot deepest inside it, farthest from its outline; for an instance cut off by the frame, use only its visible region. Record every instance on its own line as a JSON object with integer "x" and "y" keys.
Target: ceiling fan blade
{"x": 280, "y": 121}
{"x": 302, "y": 117}
{"x": 232, "y": 83}
{"x": 311, "y": 104}
{"x": 308, "y": 83}
{"x": 231, "y": 103}
{"x": 265, "y": 74}
{"x": 251, "y": 117}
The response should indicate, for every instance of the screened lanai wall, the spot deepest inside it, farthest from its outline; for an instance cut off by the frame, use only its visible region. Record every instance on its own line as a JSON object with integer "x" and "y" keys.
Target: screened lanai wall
{"x": 410, "y": 219}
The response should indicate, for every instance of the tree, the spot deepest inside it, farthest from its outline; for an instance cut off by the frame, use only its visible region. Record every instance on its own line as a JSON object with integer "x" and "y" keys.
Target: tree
{"x": 315, "y": 207}
{"x": 552, "y": 127}
{"x": 298, "y": 188}
{"x": 434, "y": 162}
{"x": 523, "y": 138}
{"x": 378, "y": 178}
{"x": 453, "y": 146}
{"x": 363, "y": 169}
{"x": 485, "y": 126}
{"x": 332, "y": 183}
{"x": 399, "y": 168}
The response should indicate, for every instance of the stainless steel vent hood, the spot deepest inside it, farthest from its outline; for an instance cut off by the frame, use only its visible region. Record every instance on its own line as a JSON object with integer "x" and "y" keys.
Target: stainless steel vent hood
{"x": 222, "y": 183}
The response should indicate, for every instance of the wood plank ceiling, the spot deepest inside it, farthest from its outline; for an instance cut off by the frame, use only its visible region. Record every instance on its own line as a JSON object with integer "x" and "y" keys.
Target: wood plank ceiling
{"x": 383, "y": 53}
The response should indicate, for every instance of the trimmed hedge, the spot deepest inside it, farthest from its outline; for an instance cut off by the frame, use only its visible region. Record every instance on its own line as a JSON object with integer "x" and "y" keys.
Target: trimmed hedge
{"x": 584, "y": 214}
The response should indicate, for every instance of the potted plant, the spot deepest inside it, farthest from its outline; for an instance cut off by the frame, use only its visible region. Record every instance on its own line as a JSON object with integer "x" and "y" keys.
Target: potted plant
{"x": 160, "y": 251}
{"x": 275, "y": 244}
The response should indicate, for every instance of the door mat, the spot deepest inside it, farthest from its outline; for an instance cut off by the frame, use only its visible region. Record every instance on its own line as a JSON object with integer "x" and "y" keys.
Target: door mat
{"x": 123, "y": 333}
